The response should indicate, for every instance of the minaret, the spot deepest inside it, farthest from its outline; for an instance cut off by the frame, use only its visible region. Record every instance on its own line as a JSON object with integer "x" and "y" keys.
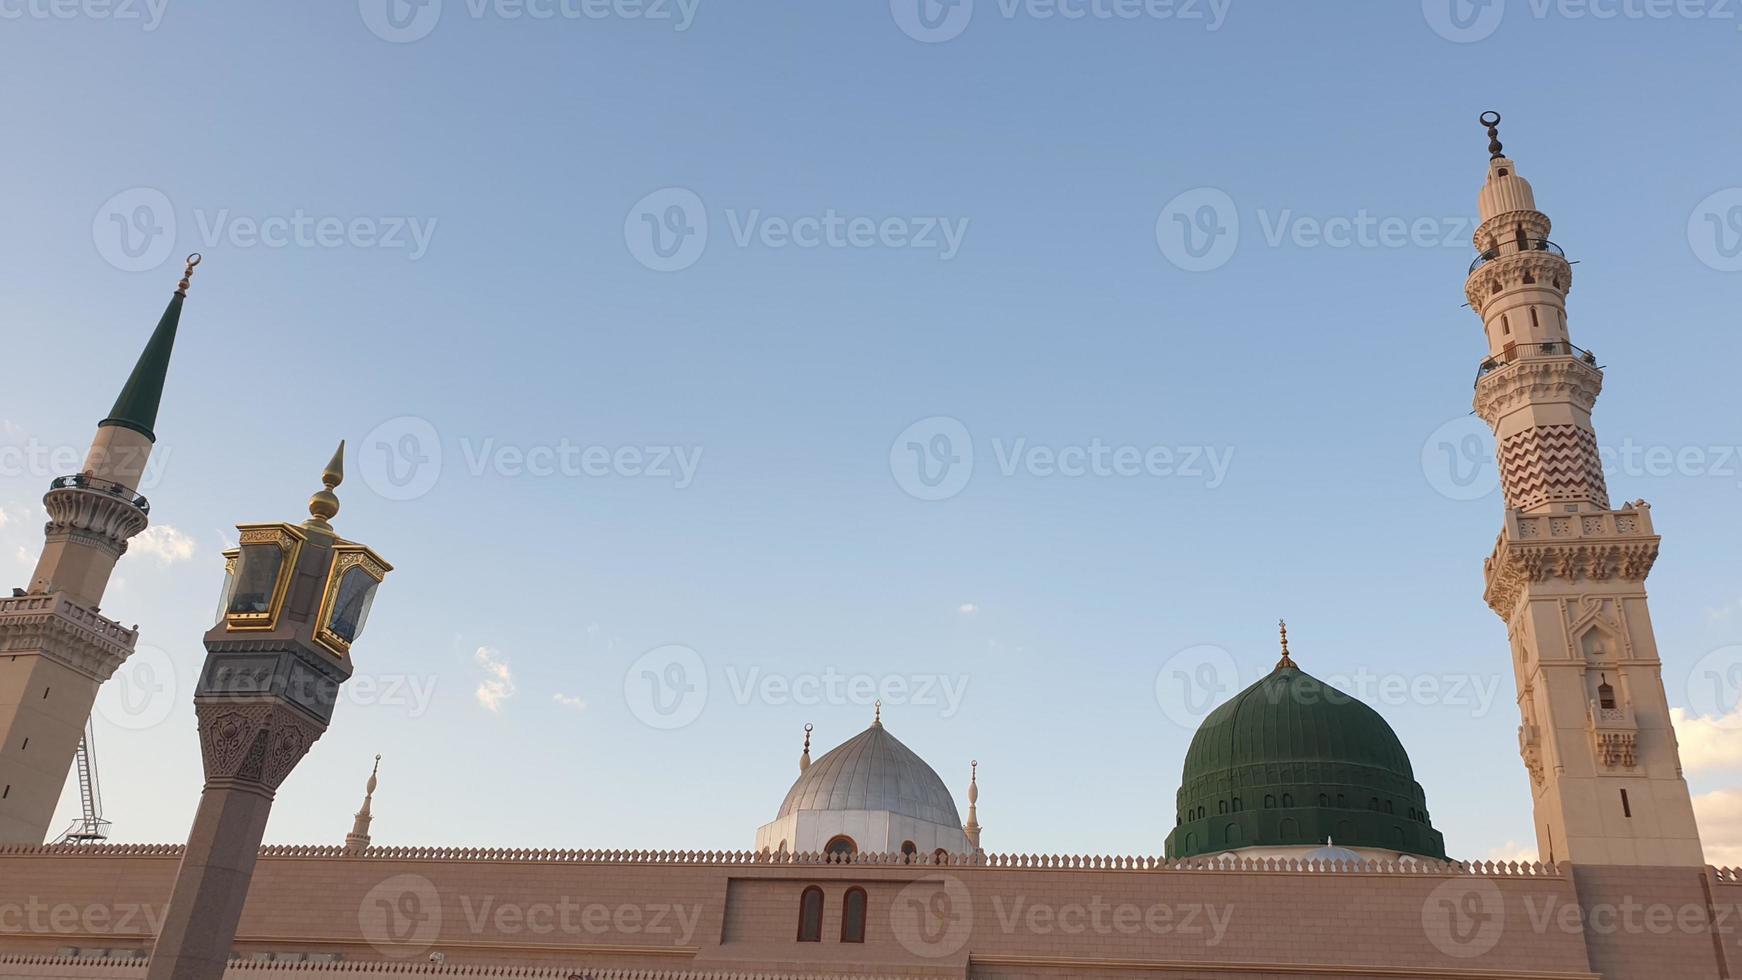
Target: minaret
{"x": 358, "y": 838}
{"x": 55, "y": 648}
{"x": 971, "y": 829}
{"x": 1568, "y": 573}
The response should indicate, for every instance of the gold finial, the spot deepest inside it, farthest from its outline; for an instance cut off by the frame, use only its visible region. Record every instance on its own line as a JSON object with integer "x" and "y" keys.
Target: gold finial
{"x": 878, "y": 720}
{"x": 1286, "y": 660}
{"x": 1491, "y": 119}
{"x": 181, "y": 288}
{"x": 324, "y": 505}
{"x": 804, "y": 761}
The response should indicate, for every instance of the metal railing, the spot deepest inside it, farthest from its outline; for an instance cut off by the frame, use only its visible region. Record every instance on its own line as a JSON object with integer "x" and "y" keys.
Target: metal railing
{"x": 1533, "y": 352}
{"x": 79, "y": 481}
{"x": 1517, "y": 247}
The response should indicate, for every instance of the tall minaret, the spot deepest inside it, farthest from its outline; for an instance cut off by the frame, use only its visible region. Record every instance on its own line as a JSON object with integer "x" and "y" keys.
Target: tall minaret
{"x": 55, "y": 649}
{"x": 972, "y": 828}
{"x": 1568, "y": 573}
{"x": 358, "y": 838}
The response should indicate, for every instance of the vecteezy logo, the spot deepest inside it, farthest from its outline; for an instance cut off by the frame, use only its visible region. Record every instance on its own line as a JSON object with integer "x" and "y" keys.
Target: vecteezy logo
{"x": 932, "y": 21}
{"x": 1715, "y": 230}
{"x": 667, "y": 231}
{"x": 1458, "y": 459}
{"x": 932, "y": 459}
{"x": 1464, "y": 21}
{"x": 135, "y": 230}
{"x": 1193, "y": 682}
{"x": 400, "y": 21}
{"x": 1715, "y": 687}
{"x": 401, "y": 458}
{"x": 143, "y": 693}
{"x": 667, "y": 687}
{"x": 1199, "y": 229}
{"x": 1464, "y": 917}
{"x": 933, "y": 917}
{"x": 402, "y": 916}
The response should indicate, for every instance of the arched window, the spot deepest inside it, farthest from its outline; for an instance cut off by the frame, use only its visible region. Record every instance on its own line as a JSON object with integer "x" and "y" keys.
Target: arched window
{"x": 1221, "y": 806}
{"x": 1373, "y": 803}
{"x": 841, "y": 848}
{"x": 1324, "y": 800}
{"x": 1606, "y": 695}
{"x": 1288, "y": 799}
{"x": 853, "y": 916}
{"x": 1386, "y": 806}
{"x": 810, "y": 915}
{"x": 1269, "y": 801}
{"x": 1237, "y": 807}
{"x": 909, "y": 851}
{"x": 1342, "y": 801}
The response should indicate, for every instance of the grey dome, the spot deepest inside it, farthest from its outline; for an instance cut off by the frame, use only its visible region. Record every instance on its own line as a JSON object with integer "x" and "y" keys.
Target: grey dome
{"x": 873, "y": 771}
{"x": 1333, "y": 852}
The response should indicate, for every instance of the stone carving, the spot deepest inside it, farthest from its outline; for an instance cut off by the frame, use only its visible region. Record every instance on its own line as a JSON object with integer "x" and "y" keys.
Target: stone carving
{"x": 253, "y": 741}
{"x": 1616, "y": 750}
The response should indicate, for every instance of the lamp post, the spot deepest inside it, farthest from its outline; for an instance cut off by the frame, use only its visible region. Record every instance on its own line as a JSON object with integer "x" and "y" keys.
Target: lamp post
{"x": 295, "y": 598}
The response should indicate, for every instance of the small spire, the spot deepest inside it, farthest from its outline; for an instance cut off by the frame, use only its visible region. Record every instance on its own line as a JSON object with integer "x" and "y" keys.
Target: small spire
{"x": 1286, "y": 660}
{"x": 877, "y": 720}
{"x": 358, "y": 838}
{"x": 1491, "y": 119}
{"x": 804, "y": 761}
{"x": 136, "y": 407}
{"x": 971, "y": 829}
{"x": 324, "y": 505}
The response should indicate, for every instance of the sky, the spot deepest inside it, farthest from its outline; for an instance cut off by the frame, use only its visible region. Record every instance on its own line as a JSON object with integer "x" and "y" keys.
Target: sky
{"x": 710, "y": 369}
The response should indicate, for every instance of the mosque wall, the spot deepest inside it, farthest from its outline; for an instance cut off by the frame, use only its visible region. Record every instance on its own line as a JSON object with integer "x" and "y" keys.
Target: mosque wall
{"x": 342, "y": 913}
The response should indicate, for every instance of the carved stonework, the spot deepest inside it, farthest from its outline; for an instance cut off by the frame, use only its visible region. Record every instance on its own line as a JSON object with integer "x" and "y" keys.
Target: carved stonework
{"x": 93, "y": 516}
{"x": 1617, "y": 750}
{"x": 1511, "y": 270}
{"x": 1514, "y": 565}
{"x": 257, "y": 741}
{"x": 1526, "y": 376}
{"x": 55, "y": 627}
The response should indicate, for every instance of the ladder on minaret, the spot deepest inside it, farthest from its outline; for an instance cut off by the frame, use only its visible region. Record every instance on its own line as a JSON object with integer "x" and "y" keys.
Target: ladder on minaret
{"x": 90, "y": 826}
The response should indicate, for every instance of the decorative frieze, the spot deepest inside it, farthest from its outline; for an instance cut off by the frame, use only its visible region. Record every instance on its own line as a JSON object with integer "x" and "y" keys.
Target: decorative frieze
{"x": 257, "y": 741}
{"x": 1514, "y": 565}
{"x": 55, "y": 627}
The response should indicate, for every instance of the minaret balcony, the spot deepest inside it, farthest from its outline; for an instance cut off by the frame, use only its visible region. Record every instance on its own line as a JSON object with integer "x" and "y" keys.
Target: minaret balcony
{"x": 1517, "y": 247}
{"x": 1534, "y": 352}
{"x": 1616, "y": 717}
{"x": 79, "y": 481}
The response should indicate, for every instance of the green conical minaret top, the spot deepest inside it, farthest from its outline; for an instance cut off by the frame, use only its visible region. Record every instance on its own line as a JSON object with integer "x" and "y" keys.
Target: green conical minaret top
{"x": 136, "y": 407}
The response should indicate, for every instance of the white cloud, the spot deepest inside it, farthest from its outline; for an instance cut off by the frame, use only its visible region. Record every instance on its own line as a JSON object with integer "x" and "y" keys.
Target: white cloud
{"x": 1720, "y": 816}
{"x": 568, "y": 701}
{"x": 967, "y": 609}
{"x": 24, "y": 556}
{"x": 164, "y": 543}
{"x": 498, "y": 683}
{"x": 3, "y": 517}
{"x": 1513, "y": 851}
{"x": 1708, "y": 743}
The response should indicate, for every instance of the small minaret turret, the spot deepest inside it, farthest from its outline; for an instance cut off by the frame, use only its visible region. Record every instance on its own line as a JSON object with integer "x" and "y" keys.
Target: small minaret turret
{"x": 972, "y": 828}
{"x": 804, "y": 761}
{"x": 358, "y": 838}
{"x": 1568, "y": 573}
{"x": 59, "y": 648}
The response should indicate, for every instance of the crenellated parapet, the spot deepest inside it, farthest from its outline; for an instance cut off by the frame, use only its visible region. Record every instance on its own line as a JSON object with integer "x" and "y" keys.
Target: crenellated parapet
{"x": 1024, "y": 862}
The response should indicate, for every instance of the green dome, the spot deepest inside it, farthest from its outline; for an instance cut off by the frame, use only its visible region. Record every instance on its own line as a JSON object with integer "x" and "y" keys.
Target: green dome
{"x": 1292, "y": 760}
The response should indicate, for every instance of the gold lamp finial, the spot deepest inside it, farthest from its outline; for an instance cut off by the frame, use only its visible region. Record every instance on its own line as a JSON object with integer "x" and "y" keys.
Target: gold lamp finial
{"x": 324, "y": 505}
{"x": 181, "y": 288}
{"x": 1286, "y": 660}
{"x": 878, "y": 719}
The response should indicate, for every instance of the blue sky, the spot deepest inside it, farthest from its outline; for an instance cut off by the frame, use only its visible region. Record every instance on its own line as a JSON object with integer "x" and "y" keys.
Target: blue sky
{"x": 690, "y": 457}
